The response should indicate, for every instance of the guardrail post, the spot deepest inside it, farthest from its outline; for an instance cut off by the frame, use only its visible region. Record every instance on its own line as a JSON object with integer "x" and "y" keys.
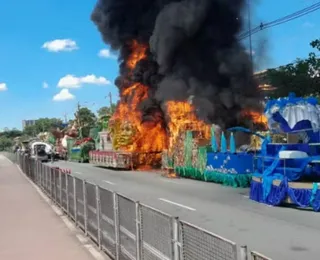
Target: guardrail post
{"x": 116, "y": 224}
{"x": 45, "y": 185}
{"x": 175, "y": 239}
{"x": 67, "y": 194}
{"x": 40, "y": 175}
{"x": 55, "y": 185}
{"x": 75, "y": 200}
{"x": 98, "y": 204}
{"x": 138, "y": 231}
{"x": 51, "y": 180}
{"x": 243, "y": 253}
{"x": 36, "y": 172}
{"x": 85, "y": 208}
{"x": 60, "y": 191}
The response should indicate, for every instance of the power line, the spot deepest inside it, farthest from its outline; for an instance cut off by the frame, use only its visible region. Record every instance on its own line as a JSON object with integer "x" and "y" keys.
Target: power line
{"x": 281, "y": 20}
{"x": 284, "y": 19}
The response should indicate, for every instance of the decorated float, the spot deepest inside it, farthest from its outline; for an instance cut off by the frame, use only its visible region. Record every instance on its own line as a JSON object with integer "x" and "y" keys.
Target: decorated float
{"x": 108, "y": 153}
{"x": 290, "y": 172}
{"x": 64, "y": 139}
{"x": 204, "y": 152}
{"x": 218, "y": 160}
{"x": 81, "y": 149}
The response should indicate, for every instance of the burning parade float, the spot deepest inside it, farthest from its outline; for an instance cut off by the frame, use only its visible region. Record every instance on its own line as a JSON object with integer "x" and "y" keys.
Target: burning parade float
{"x": 183, "y": 79}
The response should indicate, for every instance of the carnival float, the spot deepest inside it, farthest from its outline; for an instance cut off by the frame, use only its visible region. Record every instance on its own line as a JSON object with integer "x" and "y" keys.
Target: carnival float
{"x": 108, "y": 153}
{"x": 290, "y": 172}
{"x": 70, "y": 145}
{"x": 218, "y": 160}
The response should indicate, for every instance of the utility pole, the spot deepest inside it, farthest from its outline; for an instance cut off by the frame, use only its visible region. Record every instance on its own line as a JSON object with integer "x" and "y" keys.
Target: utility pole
{"x": 78, "y": 119}
{"x": 110, "y": 99}
{"x": 78, "y": 113}
{"x": 65, "y": 117}
{"x": 249, "y": 27}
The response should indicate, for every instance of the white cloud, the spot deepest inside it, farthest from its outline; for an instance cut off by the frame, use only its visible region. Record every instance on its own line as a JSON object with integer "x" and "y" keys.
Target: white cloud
{"x": 45, "y": 85}
{"x": 71, "y": 81}
{"x": 60, "y": 45}
{"x": 3, "y": 87}
{"x": 106, "y": 53}
{"x": 63, "y": 95}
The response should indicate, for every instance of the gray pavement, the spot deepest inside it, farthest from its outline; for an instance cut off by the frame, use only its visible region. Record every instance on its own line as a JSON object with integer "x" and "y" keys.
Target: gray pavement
{"x": 280, "y": 233}
{"x": 30, "y": 229}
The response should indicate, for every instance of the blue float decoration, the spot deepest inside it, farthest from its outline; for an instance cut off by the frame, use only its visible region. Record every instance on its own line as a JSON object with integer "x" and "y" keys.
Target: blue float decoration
{"x": 223, "y": 148}
{"x": 233, "y": 148}
{"x": 279, "y": 165}
{"x": 214, "y": 145}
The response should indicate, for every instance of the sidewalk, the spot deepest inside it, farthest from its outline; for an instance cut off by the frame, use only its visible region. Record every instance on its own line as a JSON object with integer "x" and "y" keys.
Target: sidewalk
{"x": 30, "y": 229}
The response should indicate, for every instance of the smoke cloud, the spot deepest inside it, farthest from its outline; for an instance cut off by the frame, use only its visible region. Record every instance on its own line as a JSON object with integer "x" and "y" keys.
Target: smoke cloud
{"x": 193, "y": 51}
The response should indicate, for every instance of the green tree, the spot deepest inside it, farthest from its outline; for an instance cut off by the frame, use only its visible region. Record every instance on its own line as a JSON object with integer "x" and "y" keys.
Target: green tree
{"x": 85, "y": 119}
{"x": 11, "y": 133}
{"x": 30, "y": 130}
{"x": 103, "y": 111}
{"x": 104, "y": 114}
{"x": 301, "y": 77}
{"x": 42, "y": 125}
{"x": 5, "y": 143}
{"x": 46, "y": 124}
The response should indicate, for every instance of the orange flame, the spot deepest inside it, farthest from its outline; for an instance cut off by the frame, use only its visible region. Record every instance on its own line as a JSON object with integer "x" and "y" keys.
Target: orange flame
{"x": 151, "y": 137}
{"x": 182, "y": 118}
{"x": 256, "y": 117}
{"x": 148, "y": 136}
{"x": 138, "y": 54}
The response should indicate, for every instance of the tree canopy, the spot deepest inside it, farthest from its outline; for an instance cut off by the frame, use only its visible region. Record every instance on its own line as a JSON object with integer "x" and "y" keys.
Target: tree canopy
{"x": 5, "y": 143}
{"x": 42, "y": 125}
{"x": 85, "y": 119}
{"x": 11, "y": 133}
{"x": 104, "y": 111}
{"x": 301, "y": 77}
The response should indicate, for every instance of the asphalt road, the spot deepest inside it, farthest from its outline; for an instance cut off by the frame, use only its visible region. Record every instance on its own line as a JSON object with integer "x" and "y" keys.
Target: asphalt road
{"x": 279, "y": 233}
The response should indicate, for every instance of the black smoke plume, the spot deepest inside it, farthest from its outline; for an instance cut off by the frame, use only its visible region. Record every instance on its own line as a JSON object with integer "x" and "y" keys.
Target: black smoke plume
{"x": 193, "y": 52}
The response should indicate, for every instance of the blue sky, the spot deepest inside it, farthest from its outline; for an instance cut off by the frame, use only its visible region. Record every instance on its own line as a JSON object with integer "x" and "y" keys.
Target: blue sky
{"x": 25, "y": 27}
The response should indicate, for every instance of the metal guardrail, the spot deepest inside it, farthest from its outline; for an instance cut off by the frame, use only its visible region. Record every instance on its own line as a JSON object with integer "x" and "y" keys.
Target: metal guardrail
{"x": 258, "y": 256}
{"x": 126, "y": 229}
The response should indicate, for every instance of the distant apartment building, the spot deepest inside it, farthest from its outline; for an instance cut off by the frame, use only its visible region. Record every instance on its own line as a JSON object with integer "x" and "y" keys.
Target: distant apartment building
{"x": 26, "y": 123}
{"x": 261, "y": 77}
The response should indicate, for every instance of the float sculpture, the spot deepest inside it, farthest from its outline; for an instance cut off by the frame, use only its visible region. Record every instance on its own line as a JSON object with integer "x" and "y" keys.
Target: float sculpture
{"x": 289, "y": 172}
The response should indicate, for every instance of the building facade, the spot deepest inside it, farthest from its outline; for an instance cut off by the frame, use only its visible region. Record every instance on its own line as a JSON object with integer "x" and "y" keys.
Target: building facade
{"x": 26, "y": 123}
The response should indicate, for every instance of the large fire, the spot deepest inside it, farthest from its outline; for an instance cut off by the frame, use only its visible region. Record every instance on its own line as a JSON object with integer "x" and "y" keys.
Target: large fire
{"x": 181, "y": 118}
{"x": 133, "y": 134}
{"x": 141, "y": 136}
{"x": 256, "y": 117}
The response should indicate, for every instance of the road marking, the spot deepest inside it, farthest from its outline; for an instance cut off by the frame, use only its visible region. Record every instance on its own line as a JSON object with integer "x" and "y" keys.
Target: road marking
{"x": 109, "y": 182}
{"x": 80, "y": 173}
{"x": 170, "y": 181}
{"x": 177, "y": 204}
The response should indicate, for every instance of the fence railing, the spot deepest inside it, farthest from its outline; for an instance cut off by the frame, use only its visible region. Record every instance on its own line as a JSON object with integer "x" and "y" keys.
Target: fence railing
{"x": 124, "y": 228}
